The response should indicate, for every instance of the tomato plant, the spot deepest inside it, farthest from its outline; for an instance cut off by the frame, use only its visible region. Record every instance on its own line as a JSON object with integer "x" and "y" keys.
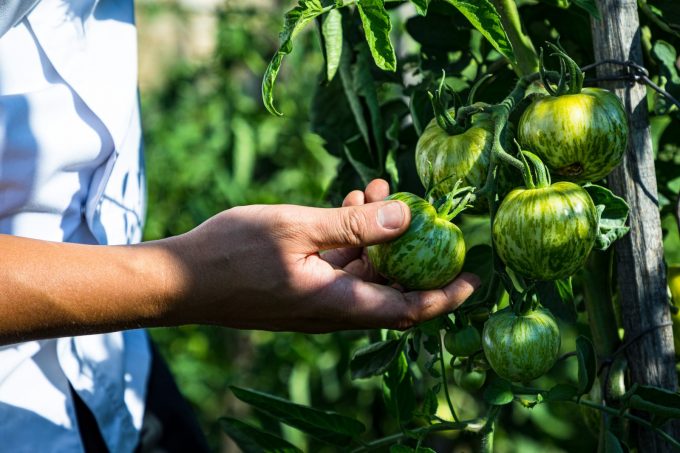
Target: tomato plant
{"x": 395, "y": 112}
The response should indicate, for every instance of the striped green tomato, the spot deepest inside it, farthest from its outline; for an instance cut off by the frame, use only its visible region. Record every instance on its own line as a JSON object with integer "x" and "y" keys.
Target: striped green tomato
{"x": 521, "y": 347}
{"x": 448, "y": 158}
{"x": 580, "y": 137}
{"x": 428, "y": 255}
{"x": 546, "y": 233}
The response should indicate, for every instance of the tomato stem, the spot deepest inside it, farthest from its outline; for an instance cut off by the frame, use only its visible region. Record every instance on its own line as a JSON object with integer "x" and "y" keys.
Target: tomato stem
{"x": 445, "y": 381}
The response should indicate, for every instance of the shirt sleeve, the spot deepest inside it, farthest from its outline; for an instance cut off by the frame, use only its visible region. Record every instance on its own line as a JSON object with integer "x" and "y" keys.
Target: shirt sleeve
{"x": 13, "y": 11}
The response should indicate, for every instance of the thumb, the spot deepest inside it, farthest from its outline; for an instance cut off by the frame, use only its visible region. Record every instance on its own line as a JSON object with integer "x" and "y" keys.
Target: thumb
{"x": 358, "y": 226}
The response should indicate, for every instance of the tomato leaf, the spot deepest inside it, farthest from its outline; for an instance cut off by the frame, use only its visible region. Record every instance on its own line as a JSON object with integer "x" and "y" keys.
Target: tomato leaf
{"x": 612, "y": 215}
{"x": 558, "y": 297}
{"x": 329, "y": 427}
{"x": 364, "y": 86}
{"x": 587, "y": 364}
{"x": 398, "y": 391}
{"x": 561, "y": 392}
{"x": 357, "y": 155}
{"x": 255, "y": 440}
{"x": 430, "y": 403}
{"x": 663, "y": 404}
{"x": 376, "y": 358}
{"x": 294, "y": 21}
{"x": 421, "y": 110}
{"x": 590, "y": 6}
{"x": 612, "y": 444}
{"x": 377, "y": 27}
{"x": 667, "y": 56}
{"x": 399, "y": 448}
{"x": 331, "y": 30}
{"x": 421, "y": 6}
{"x": 484, "y": 17}
{"x": 499, "y": 392}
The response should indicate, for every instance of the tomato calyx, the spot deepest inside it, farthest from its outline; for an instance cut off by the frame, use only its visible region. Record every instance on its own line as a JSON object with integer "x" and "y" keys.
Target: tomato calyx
{"x": 571, "y": 77}
{"x": 445, "y": 117}
{"x": 535, "y": 174}
{"x": 455, "y": 202}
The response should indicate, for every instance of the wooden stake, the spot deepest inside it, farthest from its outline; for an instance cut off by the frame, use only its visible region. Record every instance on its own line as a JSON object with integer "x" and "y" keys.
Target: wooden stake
{"x": 640, "y": 265}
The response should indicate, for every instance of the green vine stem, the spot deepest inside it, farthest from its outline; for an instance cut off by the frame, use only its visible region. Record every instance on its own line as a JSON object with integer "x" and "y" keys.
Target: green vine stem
{"x": 474, "y": 425}
{"x": 523, "y": 48}
{"x": 445, "y": 381}
{"x": 516, "y": 389}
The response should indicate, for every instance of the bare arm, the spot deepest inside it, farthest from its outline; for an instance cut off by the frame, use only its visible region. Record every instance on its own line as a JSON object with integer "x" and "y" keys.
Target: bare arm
{"x": 253, "y": 267}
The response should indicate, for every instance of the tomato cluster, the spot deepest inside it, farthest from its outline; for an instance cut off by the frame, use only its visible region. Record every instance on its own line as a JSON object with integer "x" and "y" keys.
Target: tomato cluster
{"x": 541, "y": 231}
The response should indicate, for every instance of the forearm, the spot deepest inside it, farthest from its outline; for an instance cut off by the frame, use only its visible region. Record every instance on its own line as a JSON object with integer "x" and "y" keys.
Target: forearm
{"x": 53, "y": 289}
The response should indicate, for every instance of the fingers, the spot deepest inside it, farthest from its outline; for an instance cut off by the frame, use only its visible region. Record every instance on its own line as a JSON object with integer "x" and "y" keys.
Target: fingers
{"x": 354, "y": 198}
{"x": 377, "y": 190}
{"x": 369, "y": 305}
{"x": 355, "y": 226}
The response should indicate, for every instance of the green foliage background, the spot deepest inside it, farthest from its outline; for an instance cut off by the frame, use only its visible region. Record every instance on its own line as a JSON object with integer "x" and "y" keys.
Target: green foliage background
{"x": 211, "y": 145}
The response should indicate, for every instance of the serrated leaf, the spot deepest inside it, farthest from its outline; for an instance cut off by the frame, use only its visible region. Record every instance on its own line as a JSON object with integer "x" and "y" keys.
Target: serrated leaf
{"x": 587, "y": 364}
{"x": 255, "y": 440}
{"x": 329, "y": 427}
{"x": 421, "y": 6}
{"x": 377, "y": 27}
{"x": 294, "y": 21}
{"x": 558, "y": 297}
{"x": 376, "y": 358}
{"x": 498, "y": 392}
{"x": 484, "y": 17}
{"x": 590, "y": 6}
{"x": 612, "y": 215}
{"x": 332, "y": 38}
{"x": 561, "y": 392}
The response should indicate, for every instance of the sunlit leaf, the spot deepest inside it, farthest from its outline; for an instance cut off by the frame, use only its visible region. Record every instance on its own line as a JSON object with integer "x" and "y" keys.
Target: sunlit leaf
{"x": 377, "y": 27}
{"x": 484, "y": 17}
{"x": 332, "y": 34}
{"x": 612, "y": 215}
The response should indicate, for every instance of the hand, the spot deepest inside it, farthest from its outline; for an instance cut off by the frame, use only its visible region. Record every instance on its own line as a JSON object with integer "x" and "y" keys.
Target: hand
{"x": 260, "y": 267}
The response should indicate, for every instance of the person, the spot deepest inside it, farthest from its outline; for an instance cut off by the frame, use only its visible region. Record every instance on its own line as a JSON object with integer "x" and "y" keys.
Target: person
{"x": 77, "y": 371}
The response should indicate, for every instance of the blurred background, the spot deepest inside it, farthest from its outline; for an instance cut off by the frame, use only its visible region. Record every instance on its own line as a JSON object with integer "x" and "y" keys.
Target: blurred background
{"x": 211, "y": 145}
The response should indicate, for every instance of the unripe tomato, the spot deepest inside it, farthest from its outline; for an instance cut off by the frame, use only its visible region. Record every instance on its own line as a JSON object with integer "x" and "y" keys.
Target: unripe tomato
{"x": 464, "y": 342}
{"x": 428, "y": 255}
{"x": 462, "y": 156}
{"x": 546, "y": 233}
{"x": 471, "y": 380}
{"x": 580, "y": 137}
{"x": 521, "y": 347}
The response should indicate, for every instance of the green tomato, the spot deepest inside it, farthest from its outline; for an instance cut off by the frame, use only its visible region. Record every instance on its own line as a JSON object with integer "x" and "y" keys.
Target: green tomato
{"x": 470, "y": 381}
{"x": 462, "y": 156}
{"x": 580, "y": 137}
{"x": 428, "y": 255}
{"x": 521, "y": 347}
{"x": 464, "y": 342}
{"x": 546, "y": 233}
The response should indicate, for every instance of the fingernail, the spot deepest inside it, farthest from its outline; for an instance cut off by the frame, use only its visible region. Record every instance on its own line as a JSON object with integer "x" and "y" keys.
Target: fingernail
{"x": 391, "y": 215}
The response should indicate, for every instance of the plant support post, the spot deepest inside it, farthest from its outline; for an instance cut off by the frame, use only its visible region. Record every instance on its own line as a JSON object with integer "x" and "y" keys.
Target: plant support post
{"x": 640, "y": 265}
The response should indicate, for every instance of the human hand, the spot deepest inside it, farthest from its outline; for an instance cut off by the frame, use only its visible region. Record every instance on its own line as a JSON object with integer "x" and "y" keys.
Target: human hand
{"x": 260, "y": 267}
